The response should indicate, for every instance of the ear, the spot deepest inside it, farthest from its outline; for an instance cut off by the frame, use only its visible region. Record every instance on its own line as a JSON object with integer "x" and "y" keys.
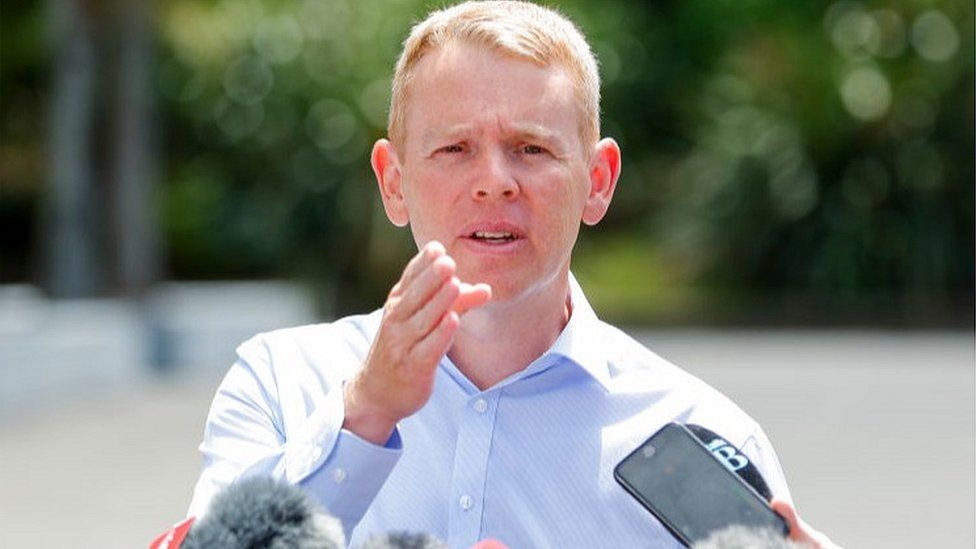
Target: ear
{"x": 386, "y": 168}
{"x": 604, "y": 172}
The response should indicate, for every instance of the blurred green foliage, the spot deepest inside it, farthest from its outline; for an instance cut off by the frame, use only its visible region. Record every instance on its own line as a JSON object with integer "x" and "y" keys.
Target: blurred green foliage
{"x": 812, "y": 153}
{"x": 22, "y": 80}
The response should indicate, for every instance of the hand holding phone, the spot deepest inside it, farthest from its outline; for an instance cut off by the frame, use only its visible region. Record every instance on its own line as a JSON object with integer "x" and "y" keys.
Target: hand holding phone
{"x": 677, "y": 478}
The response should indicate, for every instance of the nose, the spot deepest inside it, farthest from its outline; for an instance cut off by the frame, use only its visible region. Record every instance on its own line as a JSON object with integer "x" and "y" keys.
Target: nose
{"x": 495, "y": 178}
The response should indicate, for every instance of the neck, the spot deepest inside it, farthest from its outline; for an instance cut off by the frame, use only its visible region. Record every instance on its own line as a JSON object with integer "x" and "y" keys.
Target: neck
{"x": 502, "y": 338}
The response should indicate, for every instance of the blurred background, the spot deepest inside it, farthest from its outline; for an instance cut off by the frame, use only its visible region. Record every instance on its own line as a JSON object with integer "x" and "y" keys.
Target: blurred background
{"x": 794, "y": 224}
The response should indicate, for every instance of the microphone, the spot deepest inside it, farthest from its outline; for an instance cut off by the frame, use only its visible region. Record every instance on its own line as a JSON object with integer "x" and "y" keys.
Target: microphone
{"x": 743, "y": 537}
{"x": 409, "y": 540}
{"x": 260, "y": 512}
{"x": 403, "y": 540}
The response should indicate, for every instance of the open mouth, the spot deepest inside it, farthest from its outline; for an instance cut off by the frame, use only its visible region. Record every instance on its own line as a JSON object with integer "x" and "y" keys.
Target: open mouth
{"x": 493, "y": 237}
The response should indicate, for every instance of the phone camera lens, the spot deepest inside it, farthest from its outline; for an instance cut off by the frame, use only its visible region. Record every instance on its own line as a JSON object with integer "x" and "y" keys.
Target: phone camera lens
{"x": 648, "y": 451}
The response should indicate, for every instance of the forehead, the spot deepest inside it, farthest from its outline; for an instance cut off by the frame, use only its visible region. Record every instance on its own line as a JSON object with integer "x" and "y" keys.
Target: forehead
{"x": 459, "y": 85}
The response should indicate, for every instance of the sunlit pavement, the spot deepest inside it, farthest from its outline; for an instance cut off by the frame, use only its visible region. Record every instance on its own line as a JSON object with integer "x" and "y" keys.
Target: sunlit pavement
{"x": 875, "y": 431}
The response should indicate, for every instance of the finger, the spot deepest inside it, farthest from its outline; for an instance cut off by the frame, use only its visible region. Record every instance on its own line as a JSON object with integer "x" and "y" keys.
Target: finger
{"x": 422, "y": 289}
{"x": 396, "y": 290}
{"x": 785, "y": 510}
{"x": 427, "y": 317}
{"x": 800, "y": 531}
{"x": 429, "y": 255}
{"x": 429, "y": 350}
{"x": 431, "y": 251}
{"x": 471, "y": 296}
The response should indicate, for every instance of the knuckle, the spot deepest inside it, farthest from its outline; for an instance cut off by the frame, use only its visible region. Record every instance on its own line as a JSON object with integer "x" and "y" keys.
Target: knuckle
{"x": 390, "y": 309}
{"x": 430, "y": 252}
{"x": 449, "y": 293}
{"x": 418, "y": 359}
{"x": 417, "y": 323}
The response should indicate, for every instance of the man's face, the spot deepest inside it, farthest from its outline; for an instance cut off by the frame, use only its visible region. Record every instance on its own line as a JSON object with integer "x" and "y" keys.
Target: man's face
{"x": 493, "y": 167}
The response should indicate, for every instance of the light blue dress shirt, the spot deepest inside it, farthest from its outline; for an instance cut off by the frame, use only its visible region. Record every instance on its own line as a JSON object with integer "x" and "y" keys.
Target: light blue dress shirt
{"x": 528, "y": 462}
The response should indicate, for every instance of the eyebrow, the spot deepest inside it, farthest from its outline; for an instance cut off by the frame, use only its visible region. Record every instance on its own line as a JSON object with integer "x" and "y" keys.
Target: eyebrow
{"x": 440, "y": 134}
{"x": 537, "y": 132}
{"x": 530, "y": 130}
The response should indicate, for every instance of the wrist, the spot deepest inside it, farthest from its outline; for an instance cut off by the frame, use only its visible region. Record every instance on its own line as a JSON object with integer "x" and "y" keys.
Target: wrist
{"x": 366, "y": 420}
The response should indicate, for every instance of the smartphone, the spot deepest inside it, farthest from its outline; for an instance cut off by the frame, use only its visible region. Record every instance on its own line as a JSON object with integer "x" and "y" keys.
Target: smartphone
{"x": 691, "y": 492}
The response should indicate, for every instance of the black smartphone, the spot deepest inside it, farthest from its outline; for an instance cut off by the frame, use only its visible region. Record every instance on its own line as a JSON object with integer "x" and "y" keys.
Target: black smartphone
{"x": 691, "y": 492}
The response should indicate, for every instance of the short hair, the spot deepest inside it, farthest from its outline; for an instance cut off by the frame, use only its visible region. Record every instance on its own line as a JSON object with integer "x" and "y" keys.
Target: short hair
{"x": 520, "y": 29}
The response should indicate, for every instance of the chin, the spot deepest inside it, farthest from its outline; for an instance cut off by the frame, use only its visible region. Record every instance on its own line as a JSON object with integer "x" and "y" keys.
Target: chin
{"x": 503, "y": 292}
{"x": 510, "y": 287}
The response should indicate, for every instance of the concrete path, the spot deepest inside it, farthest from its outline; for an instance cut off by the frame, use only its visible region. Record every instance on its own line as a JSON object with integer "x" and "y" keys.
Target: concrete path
{"x": 876, "y": 432}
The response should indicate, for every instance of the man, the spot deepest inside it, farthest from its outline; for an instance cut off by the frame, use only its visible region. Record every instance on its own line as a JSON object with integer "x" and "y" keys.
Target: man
{"x": 485, "y": 399}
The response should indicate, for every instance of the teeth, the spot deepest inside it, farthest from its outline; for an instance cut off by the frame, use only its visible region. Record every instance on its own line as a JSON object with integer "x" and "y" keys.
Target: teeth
{"x": 492, "y": 236}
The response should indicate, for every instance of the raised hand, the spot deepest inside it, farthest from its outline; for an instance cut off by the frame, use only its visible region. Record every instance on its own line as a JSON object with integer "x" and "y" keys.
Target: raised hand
{"x": 420, "y": 318}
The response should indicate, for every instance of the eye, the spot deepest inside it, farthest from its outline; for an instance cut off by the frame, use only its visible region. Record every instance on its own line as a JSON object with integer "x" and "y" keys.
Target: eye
{"x": 531, "y": 149}
{"x": 455, "y": 148}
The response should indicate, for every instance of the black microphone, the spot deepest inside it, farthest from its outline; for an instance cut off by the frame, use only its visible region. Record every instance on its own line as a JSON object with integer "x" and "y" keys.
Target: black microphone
{"x": 260, "y": 512}
{"x": 403, "y": 540}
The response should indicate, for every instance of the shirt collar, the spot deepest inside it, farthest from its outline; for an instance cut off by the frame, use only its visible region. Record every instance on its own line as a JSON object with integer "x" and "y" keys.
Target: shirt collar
{"x": 580, "y": 340}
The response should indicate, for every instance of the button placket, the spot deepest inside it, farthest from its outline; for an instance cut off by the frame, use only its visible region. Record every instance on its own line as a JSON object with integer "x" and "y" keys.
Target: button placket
{"x": 470, "y": 467}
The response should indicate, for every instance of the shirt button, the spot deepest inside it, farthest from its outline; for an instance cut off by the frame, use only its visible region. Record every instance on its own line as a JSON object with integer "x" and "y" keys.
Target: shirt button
{"x": 465, "y": 502}
{"x": 481, "y": 405}
{"x": 339, "y": 475}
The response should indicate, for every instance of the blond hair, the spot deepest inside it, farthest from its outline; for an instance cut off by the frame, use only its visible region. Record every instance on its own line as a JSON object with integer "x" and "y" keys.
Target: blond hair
{"x": 520, "y": 29}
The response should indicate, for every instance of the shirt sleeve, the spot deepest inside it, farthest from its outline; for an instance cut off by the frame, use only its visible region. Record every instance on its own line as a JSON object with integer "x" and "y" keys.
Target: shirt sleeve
{"x": 352, "y": 475}
{"x": 251, "y": 431}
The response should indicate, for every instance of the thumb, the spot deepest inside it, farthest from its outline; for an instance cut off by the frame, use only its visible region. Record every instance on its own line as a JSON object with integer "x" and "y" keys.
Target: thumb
{"x": 799, "y": 530}
{"x": 471, "y": 296}
{"x": 788, "y": 513}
